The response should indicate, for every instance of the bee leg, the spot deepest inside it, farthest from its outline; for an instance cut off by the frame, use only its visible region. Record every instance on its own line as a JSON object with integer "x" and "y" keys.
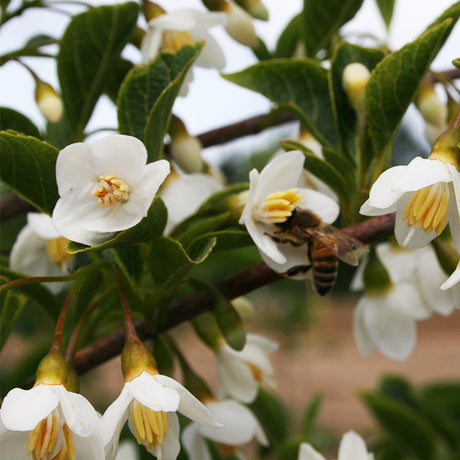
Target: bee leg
{"x": 296, "y": 270}
{"x": 279, "y": 240}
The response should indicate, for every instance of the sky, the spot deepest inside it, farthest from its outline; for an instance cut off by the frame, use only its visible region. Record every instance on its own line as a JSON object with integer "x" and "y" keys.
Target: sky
{"x": 212, "y": 101}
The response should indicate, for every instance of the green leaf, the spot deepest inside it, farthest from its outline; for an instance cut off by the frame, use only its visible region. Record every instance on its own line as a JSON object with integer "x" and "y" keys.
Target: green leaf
{"x": 10, "y": 119}
{"x": 344, "y": 115}
{"x": 226, "y": 240}
{"x": 145, "y": 231}
{"x": 386, "y": 8}
{"x": 28, "y": 167}
{"x": 147, "y": 94}
{"x": 456, "y": 63}
{"x": 90, "y": 45}
{"x": 11, "y": 308}
{"x": 323, "y": 19}
{"x": 298, "y": 85}
{"x": 289, "y": 38}
{"x": 310, "y": 414}
{"x": 321, "y": 169}
{"x": 452, "y": 12}
{"x": 404, "y": 425}
{"x": 117, "y": 74}
{"x": 394, "y": 82}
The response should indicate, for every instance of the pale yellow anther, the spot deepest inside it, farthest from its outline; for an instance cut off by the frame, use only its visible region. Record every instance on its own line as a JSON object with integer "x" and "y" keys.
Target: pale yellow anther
{"x": 173, "y": 40}
{"x": 42, "y": 439}
{"x": 278, "y": 206}
{"x": 71, "y": 455}
{"x": 149, "y": 426}
{"x": 428, "y": 209}
{"x": 111, "y": 190}
{"x": 57, "y": 252}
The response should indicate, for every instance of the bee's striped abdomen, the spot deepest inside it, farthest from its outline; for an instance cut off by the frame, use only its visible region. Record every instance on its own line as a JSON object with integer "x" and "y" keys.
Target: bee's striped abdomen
{"x": 324, "y": 266}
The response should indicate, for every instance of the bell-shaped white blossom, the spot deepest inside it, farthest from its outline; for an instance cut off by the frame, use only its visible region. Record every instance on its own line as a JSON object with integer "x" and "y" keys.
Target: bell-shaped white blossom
{"x": 149, "y": 403}
{"x": 40, "y": 251}
{"x": 425, "y": 195}
{"x": 273, "y": 195}
{"x": 239, "y": 426}
{"x": 46, "y": 420}
{"x": 104, "y": 187}
{"x": 240, "y": 372}
{"x": 184, "y": 193}
{"x": 352, "y": 447}
{"x": 192, "y": 25}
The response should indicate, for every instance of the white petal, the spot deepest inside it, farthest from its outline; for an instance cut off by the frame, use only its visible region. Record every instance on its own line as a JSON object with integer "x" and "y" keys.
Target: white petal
{"x": 150, "y": 392}
{"x": 392, "y": 331}
{"x": 400, "y": 263}
{"x": 189, "y": 406}
{"x": 208, "y": 19}
{"x": 453, "y": 214}
{"x": 127, "y": 450}
{"x": 180, "y": 20}
{"x": 295, "y": 257}
{"x": 260, "y": 234}
{"x": 13, "y": 444}
{"x": 42, "y": 225}
{"x": 406, "y": 297}
{"x": 115, "y": 416}
{"x": 363, "y": 339}
{"x": 352, "y": 447}
{"x": 79, "y": 414}
{"x": 324, "y": 207}
{"x": 194, "y": 444}
{"x": 22, "y": 409}
{"x": 90, "y": 447}
{"x": 238, "y": 423}
{"x": 150, "y": 45}
{"x": 265, "y": 344}
{"x": 306, "y": 452}
{"x": 212, "y": 56}
{"x": 453, "y": 279}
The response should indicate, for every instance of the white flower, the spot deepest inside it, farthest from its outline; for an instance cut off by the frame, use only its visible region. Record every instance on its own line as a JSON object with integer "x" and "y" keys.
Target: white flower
{"x": 150, "y": 403}
{"x": 184, "y": 193}
{"x": 352, "y": 447}
{"x": 273, "y": 196}
{"x": 424, "y": 195}
{"x": 40, "y": 251}
{"x": 104, "y": 187}
{"x": 239, "y": 426}
{"x": 240, "y": 372}
{"x": 184, "y": 26}
{"x": 48, "y": 419}
{"x": 386, "y": 318}
{"x": 127, "y": 450}
{"x": 452, "y": 285}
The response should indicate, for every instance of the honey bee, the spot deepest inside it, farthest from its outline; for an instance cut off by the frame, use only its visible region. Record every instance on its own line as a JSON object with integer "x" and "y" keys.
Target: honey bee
{"x": 326, "y": 245}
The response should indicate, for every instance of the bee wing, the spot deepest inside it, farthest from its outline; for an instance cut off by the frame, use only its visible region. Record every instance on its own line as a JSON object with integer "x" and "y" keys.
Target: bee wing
{"x": 344, "y": 247}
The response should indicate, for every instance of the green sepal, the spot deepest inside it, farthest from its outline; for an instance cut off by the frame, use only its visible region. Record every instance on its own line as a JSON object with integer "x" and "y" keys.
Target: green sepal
{"x": 90, "y": 46}
{"x": 28, "y": 167}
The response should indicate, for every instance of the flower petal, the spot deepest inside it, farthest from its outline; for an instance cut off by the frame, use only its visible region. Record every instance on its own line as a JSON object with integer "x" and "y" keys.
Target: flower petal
{"x": 22, "y": 409}
{"x": 453, "y": 279}
{"x": 189, "y": 406}
{"x": 295, "y": 257}
{"x": 306, "y": 452}
{"x": 170, "y": 447}
{"x": 194, "y": 444}
{"x": 42, "y": 225}
{"x": 363, "y": 339}
{"x": 13, "y": 444}
{"x": 89, "y": 447}
{"x": 323, "y": 206}
{"x": 352, "y": 447}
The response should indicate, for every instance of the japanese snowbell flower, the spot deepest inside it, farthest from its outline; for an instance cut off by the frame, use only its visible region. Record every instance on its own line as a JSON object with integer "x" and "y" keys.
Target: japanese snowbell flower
{"x": 184, "y": 193}
{"x": 352, "y": 447}
{"x": 40, "y": 251}
{"x": 171, "y": 31}
{"x": 104, "y": 187}
{"x": 425, "y": 195}
{"x": 273, "y": 195}
{"x": 385, "y": 318}
{"x": 240, "y": 372}
{"x": 239, "y": 426}
{"x": 48, "y": 421}
{"x": 149, "y": 402}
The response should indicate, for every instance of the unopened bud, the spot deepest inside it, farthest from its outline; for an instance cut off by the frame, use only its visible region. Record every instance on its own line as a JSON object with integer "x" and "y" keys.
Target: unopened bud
{"x": 354, "y": 80}
{"x": 48, "y": 101}
{"x": 244, "y": 307}
{"x": 255, "y": 8}
{"x": 240, "y": 26}
{"x": 185, "y": 149}
{"x": 431, "y": 107}
{"x": 152, "y": 10}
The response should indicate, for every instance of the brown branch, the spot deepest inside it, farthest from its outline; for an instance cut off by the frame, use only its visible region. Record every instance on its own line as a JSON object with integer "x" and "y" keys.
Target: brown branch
{"x": 241, "y": 283}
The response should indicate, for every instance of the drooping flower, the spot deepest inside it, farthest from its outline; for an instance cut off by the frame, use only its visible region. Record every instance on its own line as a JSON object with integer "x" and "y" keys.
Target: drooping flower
{"x": 171, "y": 31}
{"x": 239, "y": 426}
{"x": 104, "y": 187}
{"x": 240, "y": 372}
{"x": 425, "y": 195}
{"x": 273, "y": 196}
{"x": 49, "y": 421}
{"x": 149, "y": 402}
{"x": 40, "y": 251}
{"x": 352, "y": 447}
{"x": 184, "y": 193}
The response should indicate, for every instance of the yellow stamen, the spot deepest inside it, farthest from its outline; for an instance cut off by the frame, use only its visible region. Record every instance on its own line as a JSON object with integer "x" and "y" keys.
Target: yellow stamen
{"x": 69, "y": 442}
{"x": 62, "y": 454}
{"x": 57, "y": 252}
{"x": 150, "y": 427}
{"x": 173, "y": 40}
{"x": 256, "y": 372}
{"x": 427, "y": 208}
{"x": 111, "y": 191}
{"x": 42, "y": 439}
{"x": 278, "y": 206}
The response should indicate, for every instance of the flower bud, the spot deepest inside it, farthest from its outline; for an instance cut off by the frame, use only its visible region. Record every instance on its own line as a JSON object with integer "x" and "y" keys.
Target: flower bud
{"x": 244, "y": 307}
{"x": 185, "y": 149}
{"x": 48, "y": 101}
{"x": 354, "y": 80}
{"x": 255, "y": 8}
{"x": 135, "y": 359}
{"x": 447, "y": 146}
{"x": 432, "y": 109}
